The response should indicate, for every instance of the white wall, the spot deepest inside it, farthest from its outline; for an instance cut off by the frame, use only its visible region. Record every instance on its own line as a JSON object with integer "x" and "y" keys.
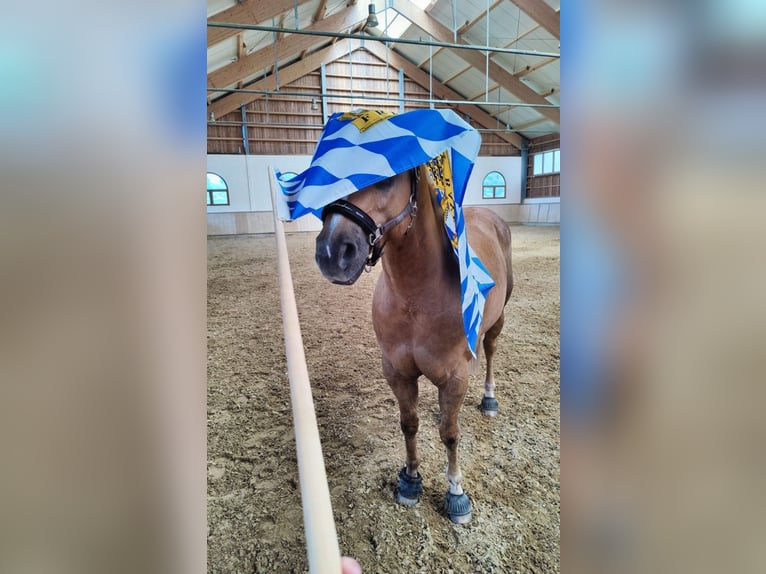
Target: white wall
{"x": 249, "y": 209}
{"x": 509, "y": 167}
{"x": 248, "y": 178}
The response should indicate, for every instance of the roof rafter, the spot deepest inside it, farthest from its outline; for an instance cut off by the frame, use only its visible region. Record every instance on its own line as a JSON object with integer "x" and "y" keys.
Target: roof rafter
{"x": 286, "y": 48}
{"x": 320, "y": 11}
{"x": 531, "y": 124}
{"x": 529, "y": 69}
{"x": 440, "y": 90}
{"x": 461, "y": 30}
{"x": 497, "y": 73}
{"x": 247, "y": 12}
{"x": 543, "y": 14}
{"x": 287, "y": 75}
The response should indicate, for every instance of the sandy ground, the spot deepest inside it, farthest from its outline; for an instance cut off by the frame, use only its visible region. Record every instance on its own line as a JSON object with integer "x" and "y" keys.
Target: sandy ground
{"x": 510, "y": 463}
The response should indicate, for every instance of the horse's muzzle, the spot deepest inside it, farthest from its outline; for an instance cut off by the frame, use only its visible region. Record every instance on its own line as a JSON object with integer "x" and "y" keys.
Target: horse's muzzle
{"x": 341, "y": 251}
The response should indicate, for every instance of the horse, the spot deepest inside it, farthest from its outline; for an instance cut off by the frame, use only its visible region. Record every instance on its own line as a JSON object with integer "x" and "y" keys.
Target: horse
{"x": 416, "y": 306}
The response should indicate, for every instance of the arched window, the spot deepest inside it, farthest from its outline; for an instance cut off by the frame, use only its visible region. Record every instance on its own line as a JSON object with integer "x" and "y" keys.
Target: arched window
{"x": 493, "y": 186}
{"x": 217, "y": 190}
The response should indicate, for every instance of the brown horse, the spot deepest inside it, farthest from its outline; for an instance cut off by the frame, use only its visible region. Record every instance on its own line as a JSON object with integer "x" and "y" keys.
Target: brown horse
{"x": 417, "y": 313}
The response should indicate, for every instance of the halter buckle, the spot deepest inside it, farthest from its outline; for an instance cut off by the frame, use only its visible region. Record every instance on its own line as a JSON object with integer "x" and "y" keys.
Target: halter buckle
{"x": 375, "y": 236}
{"x": 413, "y": 213}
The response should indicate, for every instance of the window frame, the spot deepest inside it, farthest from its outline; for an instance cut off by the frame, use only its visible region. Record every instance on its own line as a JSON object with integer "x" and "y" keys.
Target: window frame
{"x": 210, "y": 192}
{"x": 494, "y": 187}
{"x": 546, "y": 159}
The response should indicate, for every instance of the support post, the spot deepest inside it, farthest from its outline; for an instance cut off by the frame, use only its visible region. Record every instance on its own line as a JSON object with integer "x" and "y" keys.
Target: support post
{"x": 323, "y": 87}
{"x": 524, "y": 168}
{"x": 401, "y": 91}
{"x": 245, "y": 138}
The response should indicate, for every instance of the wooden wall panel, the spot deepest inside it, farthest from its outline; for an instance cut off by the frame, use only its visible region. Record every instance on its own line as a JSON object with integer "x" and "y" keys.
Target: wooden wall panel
{"x": 286, "y": 125}
{"x": 543, "y": 185}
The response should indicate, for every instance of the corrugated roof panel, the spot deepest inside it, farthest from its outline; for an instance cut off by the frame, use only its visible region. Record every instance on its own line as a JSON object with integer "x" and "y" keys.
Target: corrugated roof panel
{"x": 255, "y": 40}
{"x": 547, "y": 77}
{"x": 518, "y": 116}
{"x": 414, "y": 53}
{"x": 216, "y": 6}
{"x": 538, "y": 88}
{"x": 446, "y": 64}
{"x": 497, "y": 95}
{"x": 540, "y": 40}
{"x": 504, "y": 118}
{"x": 467, "y": 11}
{"x": 504, "y": 26}
{"x": 546, "y": 127}
{"x": 221, "y": 54}
{"x": 517, "y": 62}
{"x": 470, "y": 83}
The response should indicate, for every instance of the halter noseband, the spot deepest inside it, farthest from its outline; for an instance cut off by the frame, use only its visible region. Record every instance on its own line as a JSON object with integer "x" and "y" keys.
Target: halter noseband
{"x": 376, "y": 232}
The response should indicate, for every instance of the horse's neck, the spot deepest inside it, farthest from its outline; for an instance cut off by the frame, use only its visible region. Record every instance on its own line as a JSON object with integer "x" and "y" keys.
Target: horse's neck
{"x": 422, "y": 257}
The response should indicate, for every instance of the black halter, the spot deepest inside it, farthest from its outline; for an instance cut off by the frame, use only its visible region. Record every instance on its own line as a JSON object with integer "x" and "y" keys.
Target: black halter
{"x": 376, "y": 232}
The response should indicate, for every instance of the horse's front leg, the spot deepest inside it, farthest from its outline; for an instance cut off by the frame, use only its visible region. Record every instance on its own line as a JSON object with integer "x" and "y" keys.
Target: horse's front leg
{"x": 451, "y": 394}
{"x": 405, "y": 388}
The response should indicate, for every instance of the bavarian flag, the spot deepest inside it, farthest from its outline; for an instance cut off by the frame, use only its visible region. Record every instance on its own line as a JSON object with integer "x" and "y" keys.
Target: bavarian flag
{"x": 360, "y": 148}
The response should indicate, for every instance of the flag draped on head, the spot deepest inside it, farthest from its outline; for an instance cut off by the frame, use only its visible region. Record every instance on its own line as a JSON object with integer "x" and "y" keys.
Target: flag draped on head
{"x": 360, "y": 148}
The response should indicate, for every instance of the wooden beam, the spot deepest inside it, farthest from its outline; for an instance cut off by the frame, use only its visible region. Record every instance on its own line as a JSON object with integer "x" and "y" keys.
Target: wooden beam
{"x": 524, "y": 35}
{"x": 497, "y": 73}
{"x": 462, "y": 28}
{"x": 543, "y": 14}
{"x": 509, "y": 45}
{"x": 456, "y": 74}
{"x": 248, "y": 12}
{"x": 529, "y": 69}
{"x": 287, "y": 75}
{"x": 290, "y": 46}
{"x": 440, "y": 90}
{"x": 481, "y": 15}
{"x": 531, "y": 124}
{"x": 320, "y": 12}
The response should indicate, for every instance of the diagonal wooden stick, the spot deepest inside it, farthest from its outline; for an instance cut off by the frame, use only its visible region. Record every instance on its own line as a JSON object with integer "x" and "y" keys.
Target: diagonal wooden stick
{"x": 319, "y": 525}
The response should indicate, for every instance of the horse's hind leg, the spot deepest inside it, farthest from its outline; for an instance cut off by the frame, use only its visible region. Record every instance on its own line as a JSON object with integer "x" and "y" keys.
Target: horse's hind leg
{"x": 489, "y": 406}
{"x": 451, "y": 395}
{"x": 406, "y": 391}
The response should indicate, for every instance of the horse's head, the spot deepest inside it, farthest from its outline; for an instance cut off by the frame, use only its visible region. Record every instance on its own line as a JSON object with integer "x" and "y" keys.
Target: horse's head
{"x": 352, "y": 229}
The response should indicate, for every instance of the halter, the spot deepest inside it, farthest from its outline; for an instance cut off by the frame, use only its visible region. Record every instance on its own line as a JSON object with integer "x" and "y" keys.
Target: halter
{"x": 376, "y": 232}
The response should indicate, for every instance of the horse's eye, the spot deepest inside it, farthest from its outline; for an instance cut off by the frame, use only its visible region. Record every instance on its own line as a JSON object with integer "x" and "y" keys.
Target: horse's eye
{"x": 386, "y": 184}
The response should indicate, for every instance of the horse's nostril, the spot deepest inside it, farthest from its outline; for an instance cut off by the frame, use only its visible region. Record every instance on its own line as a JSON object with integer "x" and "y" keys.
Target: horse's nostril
{"x": 346, "y": 255}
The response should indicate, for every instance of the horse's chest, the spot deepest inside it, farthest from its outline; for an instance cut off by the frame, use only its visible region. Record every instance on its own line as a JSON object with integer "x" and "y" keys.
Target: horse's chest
{"x": 411, "y": 331}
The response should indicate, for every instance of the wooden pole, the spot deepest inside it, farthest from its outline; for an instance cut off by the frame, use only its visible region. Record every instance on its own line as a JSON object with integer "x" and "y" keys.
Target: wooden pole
{"x": 319, "y": 525}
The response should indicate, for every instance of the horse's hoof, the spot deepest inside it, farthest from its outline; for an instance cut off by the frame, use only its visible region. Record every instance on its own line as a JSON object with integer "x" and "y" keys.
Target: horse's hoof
{"x": 489, "y": 406}
{"x": 410, "y": 488}
{"x": 458, "y": 507}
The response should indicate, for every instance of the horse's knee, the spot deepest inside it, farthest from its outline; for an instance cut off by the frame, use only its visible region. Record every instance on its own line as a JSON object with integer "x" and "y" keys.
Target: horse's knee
{"x": 450, "y": 442}
{"x": 409, "y": 425}
{"x": 450, "y": 437}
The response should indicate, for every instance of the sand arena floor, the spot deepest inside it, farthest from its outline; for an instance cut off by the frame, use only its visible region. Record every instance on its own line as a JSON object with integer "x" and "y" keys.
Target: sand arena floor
{"x": 510, "y": 463}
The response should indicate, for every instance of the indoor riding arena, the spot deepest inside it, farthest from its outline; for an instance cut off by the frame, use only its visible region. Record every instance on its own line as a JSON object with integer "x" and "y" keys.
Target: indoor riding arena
{"x": 277, "y": 72}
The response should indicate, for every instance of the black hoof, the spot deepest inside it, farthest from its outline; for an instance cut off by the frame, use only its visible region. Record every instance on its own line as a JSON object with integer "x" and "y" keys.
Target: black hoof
{"x": 489, "y": 406}
{"x": 410, "y": 488}
{"x": 458, "y": 507}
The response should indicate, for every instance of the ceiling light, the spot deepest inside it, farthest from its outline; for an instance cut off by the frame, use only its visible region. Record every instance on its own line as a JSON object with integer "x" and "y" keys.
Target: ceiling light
{"x": 372, "y": 19}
